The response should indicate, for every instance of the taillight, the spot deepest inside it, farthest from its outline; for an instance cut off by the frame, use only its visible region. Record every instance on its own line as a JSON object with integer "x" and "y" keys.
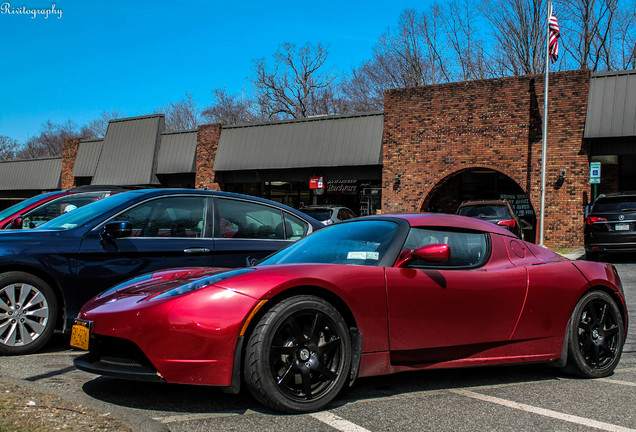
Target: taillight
{"x": 508, "y": 223}
{"x": 594, "y": 219}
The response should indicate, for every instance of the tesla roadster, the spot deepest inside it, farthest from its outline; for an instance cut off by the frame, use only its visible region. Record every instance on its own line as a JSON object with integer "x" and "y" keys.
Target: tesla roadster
{"x": 365, "y": 297}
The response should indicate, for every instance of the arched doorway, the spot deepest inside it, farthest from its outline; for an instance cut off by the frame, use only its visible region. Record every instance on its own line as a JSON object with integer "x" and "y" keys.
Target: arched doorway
{"x": 480, "y": 184}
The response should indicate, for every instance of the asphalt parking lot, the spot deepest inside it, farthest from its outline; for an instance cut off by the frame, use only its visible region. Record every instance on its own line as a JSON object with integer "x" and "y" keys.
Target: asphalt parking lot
{"x": 493, "y": 398}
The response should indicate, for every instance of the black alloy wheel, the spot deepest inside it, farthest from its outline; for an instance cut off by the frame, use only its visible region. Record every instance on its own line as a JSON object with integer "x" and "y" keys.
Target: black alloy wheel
{"x": 298, "y": 356}
{"x": 596, "y": 336}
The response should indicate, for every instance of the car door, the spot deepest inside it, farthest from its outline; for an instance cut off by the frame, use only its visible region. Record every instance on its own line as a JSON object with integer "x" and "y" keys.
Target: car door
{"x": 469, "y": 303}
{"x": 167, "y": 232}
{"x": 246, "y": 230}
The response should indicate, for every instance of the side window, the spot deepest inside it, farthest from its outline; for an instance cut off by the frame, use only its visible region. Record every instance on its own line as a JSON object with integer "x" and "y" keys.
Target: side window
{"x": 467, "y": 249}
{"x": 57, "y": 207}
{"x": 242, "y": 219}
{"x": 167, "y": 217}
{"x": 295, "y": 227}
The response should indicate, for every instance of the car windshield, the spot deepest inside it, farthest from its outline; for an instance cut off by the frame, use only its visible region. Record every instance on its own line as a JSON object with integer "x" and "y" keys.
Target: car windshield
{"x": 22, "y": 205}
{"x": 359, "y": 243}
{"x": 484, "y": 211}
{"x": 320, "y": 215}
{"x": 86, "y": 213}
{"x": 615, "y": 204}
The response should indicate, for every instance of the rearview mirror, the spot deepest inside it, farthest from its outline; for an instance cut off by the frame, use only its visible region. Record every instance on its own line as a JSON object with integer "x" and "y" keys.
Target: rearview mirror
{"x": 115, "y": 230}
{"x": 429, "y": 253}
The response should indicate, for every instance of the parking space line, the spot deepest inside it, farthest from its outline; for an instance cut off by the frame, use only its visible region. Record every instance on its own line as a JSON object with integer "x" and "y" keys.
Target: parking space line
{"x": 337, "y": 423}
{"x": 189, "y": 417}
{"x": 545, "y": 412}
{"x": 613, "y": 381}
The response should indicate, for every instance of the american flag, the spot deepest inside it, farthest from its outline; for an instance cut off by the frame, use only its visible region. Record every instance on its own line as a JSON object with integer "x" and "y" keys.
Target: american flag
{"x": 554, "y": 39}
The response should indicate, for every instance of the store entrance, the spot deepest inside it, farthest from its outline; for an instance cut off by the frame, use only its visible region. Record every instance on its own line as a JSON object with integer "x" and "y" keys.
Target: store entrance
{"x": 480, "y": 184}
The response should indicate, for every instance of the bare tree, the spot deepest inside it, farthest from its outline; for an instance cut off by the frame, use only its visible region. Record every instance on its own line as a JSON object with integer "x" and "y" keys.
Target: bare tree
{"x": 519, "y": 30}
{"x": 460, "y": 25}
{"x": 291, "y": 87}
{"x": 8, "y": 148}
{"x": 230, "y": 109}
{"x": 182, "y": 115}
{"x": 625, "y": 38}
{"x": 49, "y": 141}
{"x": 587, "y": 29}
{"x": 97, "y": 128}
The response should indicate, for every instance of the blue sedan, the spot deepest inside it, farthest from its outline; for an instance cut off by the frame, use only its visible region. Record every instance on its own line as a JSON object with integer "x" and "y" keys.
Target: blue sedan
{"x": 48, "y": 273}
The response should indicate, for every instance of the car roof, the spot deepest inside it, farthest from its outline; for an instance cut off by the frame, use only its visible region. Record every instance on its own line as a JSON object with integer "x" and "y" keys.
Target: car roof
{"x": 617, "y": 195}
{"x": 484, "y": 202}
{"x": 445, "y": 220}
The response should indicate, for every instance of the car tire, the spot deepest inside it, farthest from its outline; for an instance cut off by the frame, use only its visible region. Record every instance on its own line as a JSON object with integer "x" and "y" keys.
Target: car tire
{"x": 28, "y": 309}
{"x": 592, "y": 256}
{"x": 298, "y": 356}
{"x": 595, "y": 337}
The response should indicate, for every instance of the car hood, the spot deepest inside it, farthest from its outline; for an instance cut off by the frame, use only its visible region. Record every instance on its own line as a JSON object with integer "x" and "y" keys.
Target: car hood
{"x": 160, "y": 281}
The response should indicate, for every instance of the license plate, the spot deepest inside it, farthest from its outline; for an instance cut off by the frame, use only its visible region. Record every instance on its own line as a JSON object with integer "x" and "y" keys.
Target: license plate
{"x": 621, "y": 227}
{"x": 80, "y": 334}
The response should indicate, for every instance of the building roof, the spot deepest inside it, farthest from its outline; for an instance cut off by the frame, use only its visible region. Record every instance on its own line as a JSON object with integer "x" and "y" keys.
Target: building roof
{"x": 31, "y": 174}
{"x": 611, "y": 108}
{"x": 129, "y": 151}
{"x": 313, "y": 142}
{"x": 87, "y": 157}
{"x": 176, "y": 152}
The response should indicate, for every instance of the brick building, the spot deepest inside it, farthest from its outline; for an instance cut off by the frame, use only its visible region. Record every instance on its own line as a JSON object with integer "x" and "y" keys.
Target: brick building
{"x": 432, "y": 148}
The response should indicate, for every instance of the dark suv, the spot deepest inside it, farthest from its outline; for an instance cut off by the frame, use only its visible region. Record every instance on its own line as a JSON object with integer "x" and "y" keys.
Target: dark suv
{"x": 611, "y": 225}
{"x": 498, "y": 212}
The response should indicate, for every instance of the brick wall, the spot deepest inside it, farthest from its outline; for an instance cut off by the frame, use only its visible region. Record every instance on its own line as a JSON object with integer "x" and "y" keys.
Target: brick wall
{"x": 69, "y": 152}
{"x": 433, "y": 132}
{"x": 208, "y": 137}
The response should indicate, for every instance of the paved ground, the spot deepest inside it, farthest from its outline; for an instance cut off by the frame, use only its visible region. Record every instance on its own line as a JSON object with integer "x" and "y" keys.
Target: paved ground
{"x": 496, "y": 398}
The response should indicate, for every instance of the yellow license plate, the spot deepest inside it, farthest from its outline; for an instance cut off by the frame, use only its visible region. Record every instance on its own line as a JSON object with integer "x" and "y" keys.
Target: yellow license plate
{"x": 80, "y": 334}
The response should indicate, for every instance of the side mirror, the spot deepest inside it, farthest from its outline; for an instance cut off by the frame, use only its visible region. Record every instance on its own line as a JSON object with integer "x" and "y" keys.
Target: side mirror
{"x": 115, "y": 230}
{"x": 430, "y": 253}
{"x": 16, "y": 223}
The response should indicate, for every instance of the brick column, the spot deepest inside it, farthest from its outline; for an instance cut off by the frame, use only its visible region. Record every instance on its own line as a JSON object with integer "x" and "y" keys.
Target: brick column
{"x": 69, "y": 153}
{"x": 208, "y": 137}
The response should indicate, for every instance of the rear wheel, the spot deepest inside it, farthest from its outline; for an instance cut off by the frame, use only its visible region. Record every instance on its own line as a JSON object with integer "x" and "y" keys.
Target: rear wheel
{"x": 28, "y": 309}
{"x": 592, "y": 256}
{"x": 299, "y": 355}
{"x": 596, "y": 336}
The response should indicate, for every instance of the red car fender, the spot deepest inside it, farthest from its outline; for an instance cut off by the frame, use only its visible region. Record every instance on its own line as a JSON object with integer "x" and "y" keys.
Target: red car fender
{"x": 361, "y": 288}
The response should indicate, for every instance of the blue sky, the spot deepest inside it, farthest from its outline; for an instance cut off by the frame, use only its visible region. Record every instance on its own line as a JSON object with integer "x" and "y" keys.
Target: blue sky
{"x": 137, "y": 55}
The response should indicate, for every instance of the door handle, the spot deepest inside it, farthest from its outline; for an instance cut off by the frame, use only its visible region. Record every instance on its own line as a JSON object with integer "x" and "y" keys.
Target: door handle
{"x": 196, "y": 250}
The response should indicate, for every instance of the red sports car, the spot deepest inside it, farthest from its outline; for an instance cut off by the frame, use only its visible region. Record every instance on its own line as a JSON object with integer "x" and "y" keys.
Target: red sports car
{"x": 370, "y": 296}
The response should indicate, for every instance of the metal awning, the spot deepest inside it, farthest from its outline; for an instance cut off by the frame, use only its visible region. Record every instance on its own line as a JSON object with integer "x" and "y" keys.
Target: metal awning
{"x": 31, "y": 174}
{"x": 611, "y": 107}
{"x": 176, "y": 152}
{"x": 87, "y": 158}
{"x": 129, "y": 151}
{"x": 327, "y": 141}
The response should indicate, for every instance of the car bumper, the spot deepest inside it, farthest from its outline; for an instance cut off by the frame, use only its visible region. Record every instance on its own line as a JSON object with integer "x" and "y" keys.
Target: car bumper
{"x": 174, "y": 341}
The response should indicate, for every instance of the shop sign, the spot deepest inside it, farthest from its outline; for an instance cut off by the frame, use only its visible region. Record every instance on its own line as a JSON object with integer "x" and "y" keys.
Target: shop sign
{"x": 342, "y": 186}
{"x": 316, "y": 183}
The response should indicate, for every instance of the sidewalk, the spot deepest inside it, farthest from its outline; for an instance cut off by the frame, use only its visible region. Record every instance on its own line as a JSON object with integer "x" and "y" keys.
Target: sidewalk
{"x": 578, "y": 253}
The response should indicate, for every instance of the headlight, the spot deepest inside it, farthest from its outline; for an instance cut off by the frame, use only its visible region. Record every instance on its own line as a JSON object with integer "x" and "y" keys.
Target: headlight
{"x": 200, "y": 283}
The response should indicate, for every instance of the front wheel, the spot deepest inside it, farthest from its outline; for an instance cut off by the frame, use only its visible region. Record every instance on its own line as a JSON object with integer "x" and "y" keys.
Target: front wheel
{"x": 28, "y": 309}
{"x": 299, "y": 355}
{"x": 596, "y": 336}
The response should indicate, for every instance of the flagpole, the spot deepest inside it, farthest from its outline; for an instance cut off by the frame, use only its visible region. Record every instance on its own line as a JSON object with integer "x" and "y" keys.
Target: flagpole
{"x": 545, "y": 128}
